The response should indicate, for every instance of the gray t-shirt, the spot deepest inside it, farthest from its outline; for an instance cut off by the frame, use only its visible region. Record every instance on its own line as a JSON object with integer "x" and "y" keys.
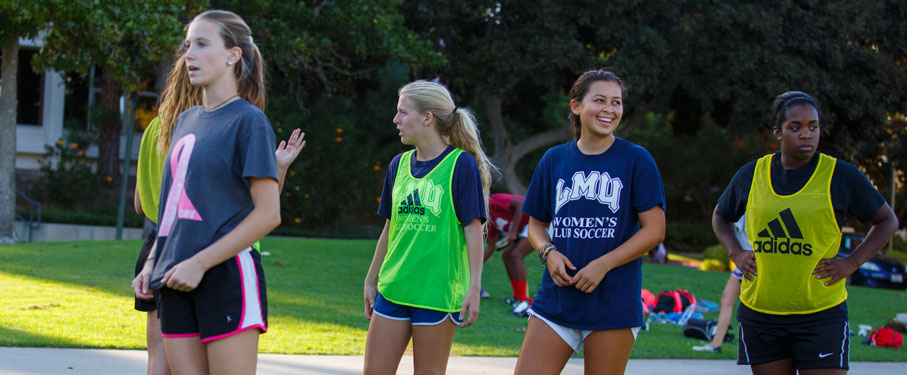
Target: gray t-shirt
{"x": 205, "y": 185}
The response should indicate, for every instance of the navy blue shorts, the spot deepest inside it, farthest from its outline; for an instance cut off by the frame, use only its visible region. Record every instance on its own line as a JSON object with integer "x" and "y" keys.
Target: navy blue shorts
{"x": 417, "y": 316}
{"x": 231, "y": 298}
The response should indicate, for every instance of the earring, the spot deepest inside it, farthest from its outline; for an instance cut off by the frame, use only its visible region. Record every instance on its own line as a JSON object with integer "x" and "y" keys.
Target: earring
{"x": 229, "y": 63}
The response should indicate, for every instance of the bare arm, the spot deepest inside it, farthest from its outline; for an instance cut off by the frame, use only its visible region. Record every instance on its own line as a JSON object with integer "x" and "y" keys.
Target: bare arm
{"x": 650, "y": 234}
{"x": 371, "y": 278}
{"x": 724, "y": 230}
{"x": 142, "y": 281}
{"x": 286, "y": 153}
{"x": 557, "y": 262}
{"x": 186, "y": 275}
{"x": 137, "y": 202}
{"x": 473, "y": 233}
{"x": 883, "y": 226}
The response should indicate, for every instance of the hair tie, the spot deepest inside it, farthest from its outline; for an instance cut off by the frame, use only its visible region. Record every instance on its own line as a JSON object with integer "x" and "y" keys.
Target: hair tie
{"x": 454, "y": 110}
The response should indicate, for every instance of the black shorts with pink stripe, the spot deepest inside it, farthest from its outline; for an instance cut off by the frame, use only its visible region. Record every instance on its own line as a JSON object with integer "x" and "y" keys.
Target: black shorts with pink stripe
{"x": 231, "y": 298}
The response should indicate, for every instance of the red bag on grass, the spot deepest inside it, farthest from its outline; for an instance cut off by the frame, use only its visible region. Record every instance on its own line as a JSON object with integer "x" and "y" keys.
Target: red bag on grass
{"x": 648, "y": 300}
{"x": 886, "y": 337}
{"x": 675, "y": 301}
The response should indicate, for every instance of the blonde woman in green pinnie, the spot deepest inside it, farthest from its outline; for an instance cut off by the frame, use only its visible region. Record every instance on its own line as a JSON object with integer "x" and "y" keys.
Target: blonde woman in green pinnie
{"x": 425, "y": 277}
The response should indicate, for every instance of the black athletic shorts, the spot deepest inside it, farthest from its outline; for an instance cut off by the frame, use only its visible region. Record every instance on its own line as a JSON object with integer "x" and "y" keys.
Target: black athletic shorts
{"x": 814, "y": 341}
{"x": 230, "y": 299}
{"x": 145, "y": 304}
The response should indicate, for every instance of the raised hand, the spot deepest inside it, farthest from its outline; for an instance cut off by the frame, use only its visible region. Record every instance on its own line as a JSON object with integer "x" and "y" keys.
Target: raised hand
{"x": 288, "y": 150}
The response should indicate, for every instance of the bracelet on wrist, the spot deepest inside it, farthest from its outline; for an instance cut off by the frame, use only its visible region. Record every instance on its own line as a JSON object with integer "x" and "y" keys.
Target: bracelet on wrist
{"x": 546, "y": 248}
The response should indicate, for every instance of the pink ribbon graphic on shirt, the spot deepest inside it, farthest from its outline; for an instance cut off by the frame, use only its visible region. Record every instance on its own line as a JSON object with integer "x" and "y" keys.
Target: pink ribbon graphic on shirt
{"x": 178, "y": 205}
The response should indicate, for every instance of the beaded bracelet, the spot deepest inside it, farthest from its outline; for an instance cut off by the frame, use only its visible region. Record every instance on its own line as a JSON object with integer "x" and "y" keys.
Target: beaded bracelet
{"x": 543, "y": 252}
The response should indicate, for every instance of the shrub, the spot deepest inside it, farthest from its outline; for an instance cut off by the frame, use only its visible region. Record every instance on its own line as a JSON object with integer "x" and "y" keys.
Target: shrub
{"x": 689, "y": 237}
{"x": 88, "y": 218}
{"x": 716, "y": 257}
{"x": 716, "y": 252}
{"x": 67, "y": 178}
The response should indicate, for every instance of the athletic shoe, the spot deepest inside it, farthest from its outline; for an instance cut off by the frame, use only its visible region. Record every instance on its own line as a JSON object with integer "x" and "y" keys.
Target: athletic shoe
{"x": 707, "y": 348}
{"x": 484, "y": 294}
{"x": 512, "y": 301}
{"x": 521, "y": 309}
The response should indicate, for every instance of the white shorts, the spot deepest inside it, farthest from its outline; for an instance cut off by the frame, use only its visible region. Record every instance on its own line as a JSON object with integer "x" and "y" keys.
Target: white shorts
{"x": 572, "y": 336}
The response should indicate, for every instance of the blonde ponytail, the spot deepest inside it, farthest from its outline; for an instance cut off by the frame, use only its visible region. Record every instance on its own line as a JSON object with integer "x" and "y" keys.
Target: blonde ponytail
{"x": 456, "y": 124}
{"x": 464, "y": 134}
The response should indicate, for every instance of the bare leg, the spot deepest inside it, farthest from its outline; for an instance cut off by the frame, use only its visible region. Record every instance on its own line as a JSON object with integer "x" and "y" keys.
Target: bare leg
{"x": 513, "y": 259}
{"x": 431, "y": 347}
{"x": 234, "y": 355}
{"x": 728, "y": 297}
{"x": 186, "y": 355}
{"x": 157, "y": 357}
{"x": 543, "y": 351}
{"x": 822, "y": 371}
{"x": 385, "y": 344}
{"x": 608, "y": 351}
{"x": 779, "y": 367}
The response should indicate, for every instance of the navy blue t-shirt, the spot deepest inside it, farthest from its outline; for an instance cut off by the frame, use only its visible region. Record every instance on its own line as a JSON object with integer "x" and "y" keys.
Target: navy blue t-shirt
{"x": 205, "y": 186}
{"x": 468, "y": 197}
{"x": 851, "y": 192}
{"x": 592, "y": 204}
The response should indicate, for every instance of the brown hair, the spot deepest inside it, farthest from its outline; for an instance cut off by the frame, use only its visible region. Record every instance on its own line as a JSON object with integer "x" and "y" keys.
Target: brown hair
{"x": 581, "y": 87}
{"x": 456, "y": 123}
{"x": 178, "y": 96}
{"x": 250, "y": 79}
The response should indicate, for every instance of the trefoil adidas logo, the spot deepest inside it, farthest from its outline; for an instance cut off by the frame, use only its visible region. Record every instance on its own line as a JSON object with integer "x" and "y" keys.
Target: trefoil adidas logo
{"x": 783, "y": 237}
{"x": 412, "y": 204}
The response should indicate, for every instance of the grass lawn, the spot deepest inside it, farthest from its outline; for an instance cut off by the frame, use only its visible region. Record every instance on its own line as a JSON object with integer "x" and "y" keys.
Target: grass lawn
{"x": 76, "y": 294}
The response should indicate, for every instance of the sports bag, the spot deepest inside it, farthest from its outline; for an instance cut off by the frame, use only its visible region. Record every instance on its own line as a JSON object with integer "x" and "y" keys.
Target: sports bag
{"x": 700, "y": 329}
{"x": 675, "y": 301}
{"x": 886, "y": 337}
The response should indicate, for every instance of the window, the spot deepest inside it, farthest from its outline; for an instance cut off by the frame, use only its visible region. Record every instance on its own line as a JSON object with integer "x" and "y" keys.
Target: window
{"x": 75, "y": 113}
{"x": 30, "y": 87}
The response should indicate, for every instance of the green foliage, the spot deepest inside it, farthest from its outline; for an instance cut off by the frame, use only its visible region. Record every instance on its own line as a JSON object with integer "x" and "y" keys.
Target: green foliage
{"x": 24, "y": 18}
{"x": 67, "y": 178}
{"x": 333, "y": 70}
{"x": 696, "y": 62}
{"x": 695, "y": 168}
{"x": 83, "y": 217}
{"x": 688, "y": 236}
{"x": 716, "y": 252}
{"x": 125, "y": 38}
{"x": 335, "y": 184}
{"x": 330, "y": 47}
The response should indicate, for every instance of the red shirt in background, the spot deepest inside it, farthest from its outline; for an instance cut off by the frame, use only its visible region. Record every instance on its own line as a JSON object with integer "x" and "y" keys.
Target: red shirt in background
{"x": 501, "y": 215}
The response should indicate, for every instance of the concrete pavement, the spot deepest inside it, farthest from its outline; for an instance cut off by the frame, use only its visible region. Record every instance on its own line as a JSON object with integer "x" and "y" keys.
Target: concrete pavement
{"x": 51, "y": 361}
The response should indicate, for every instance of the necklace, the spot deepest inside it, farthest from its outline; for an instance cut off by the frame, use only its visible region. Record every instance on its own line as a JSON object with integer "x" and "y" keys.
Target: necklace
{"x": 214, "y": 108}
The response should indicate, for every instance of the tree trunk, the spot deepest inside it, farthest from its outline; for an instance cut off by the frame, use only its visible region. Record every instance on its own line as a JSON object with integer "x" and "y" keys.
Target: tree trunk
{"x": 8, "y": 76}
{"x": 506, "y": 155}
{"x": 110, "y": 128}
